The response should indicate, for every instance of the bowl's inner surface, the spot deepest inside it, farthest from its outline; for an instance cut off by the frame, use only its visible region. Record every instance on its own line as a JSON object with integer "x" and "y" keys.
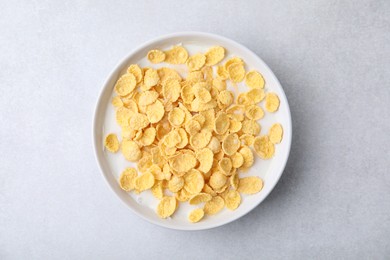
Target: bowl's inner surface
{"x": 144, "y": 203}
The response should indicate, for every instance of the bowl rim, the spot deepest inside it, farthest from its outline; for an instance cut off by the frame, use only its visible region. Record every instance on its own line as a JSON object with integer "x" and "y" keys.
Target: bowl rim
{"x": 124, "y": 61}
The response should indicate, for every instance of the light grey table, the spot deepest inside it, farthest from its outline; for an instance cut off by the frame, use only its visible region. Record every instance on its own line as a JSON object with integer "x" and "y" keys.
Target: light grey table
{"x": 333, "y": 60}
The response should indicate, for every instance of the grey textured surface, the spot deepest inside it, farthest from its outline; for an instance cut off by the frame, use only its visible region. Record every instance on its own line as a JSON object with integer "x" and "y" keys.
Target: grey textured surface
{"x": 333, "y": 60}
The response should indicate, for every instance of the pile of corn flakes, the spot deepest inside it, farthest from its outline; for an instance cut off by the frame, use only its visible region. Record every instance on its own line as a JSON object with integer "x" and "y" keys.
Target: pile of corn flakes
{"x": 191, "y": 137}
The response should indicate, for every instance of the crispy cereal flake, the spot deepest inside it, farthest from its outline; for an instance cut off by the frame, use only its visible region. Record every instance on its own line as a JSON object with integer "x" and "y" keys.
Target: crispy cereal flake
{"x": 147, "y": 98}
{"x": 125, "y": 84}
{"x": 136, "y": 71}
{"x": 264, "y": 148}
{"x": 205, "y": 157}
{"x": 183, "y": 162}
{"x": 247, "y": 154}
{"x": 127, "y": 179}
{"x": 275, "y": 133}
{"x": 176, "y": 117}
{"x": 222, "y": 123}
{"x": 225, "y": 165}
{"x": 231, "y": 144}
{"x": 254, "y": 112}
{"x": 111, "y": 143}
{"x": 271, "y": 102}
{"x": 214, "y": 55}
{"x": 176, "y": 183}
{"x": 254, "y": 79}
{"x": 232, "y": 199}
{"x": 200, "y": 198}
{"x": 131, "y": 151}
{"x": 151, "y": 78}
{"x": 156, "y": 56}
{"x": 193, "y": 181}
{"x": 166, "y": 207}
{"x": 144, "y": 181}
{"x": 196, "y": 62}
{"x": 196, "y": 215}
{"x": 236, "y": 72}
{"x": 217, "y": 180}
{"x": 155, "y": 112}
{"x": 214, "y": 206}
{"x": 157, "y": 190}
{"x": 176, "y": 55}
{"x": 250, "y": 185}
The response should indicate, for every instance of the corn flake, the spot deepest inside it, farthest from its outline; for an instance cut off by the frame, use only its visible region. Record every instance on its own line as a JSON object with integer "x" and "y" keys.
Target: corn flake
{"x": 184, "y": 138}
{"x": 148, "y": 136}
{"x": 237, "y": 160}
{"x": 193, "y": 181}
{"x": 131, "y": 151}
{"x": 183, "y": 162}
{"x": 250, "y": 127}
{"x": 144, "y": 163}
{"x": 222, "y": 73}
{"x": 254, "y": 79}
{"x": 254, "y": 112}
{"x": 275, "y": 133}
{"x": 214, "y": 55}
{"x": 166, "y": 207}
{"x": 127, "y": 179}
{"x": 214, "y": 205}
{"x": 202, "y": 94}
{"x": 172, "y": 138}
{"x": 196, "y": 215}
{"x": 236, "y": 72}
{"x": 125, "y": 84}
{"x": 247, "y": 154}
{"x": 176, "y": 183}
{"x": 214, "y": 145}
{"x": 147, "y": 98}
{"x": 156, "y": 56}
{"x": 234, "y": 181}
{"x": 195, "y": 77}
{"x": 111, "y": 143}
{"x": 155, "y": 112}
{"x": 226, "y": 97}
{"x": 196, "y": 62}
{"x": 222, "y": 123}
{"x": 144, "y": 181}
{"x": 157, "y": 190}
{"x": 176, "y": 55}
{"x": 187, "y": 94}
{"x": 232, "y": 199}
{"x": 271, "y": 102}
{"x": 117, "y": 101}
{"x": 171, "y": 90}
{"x": 231, "y": 144}
{"x": 217, "y": 180}
{"x": 234, "y": 126}
{"x": 176, "y": 117}
{"x": 201, "y": 139}
{"x": 167, "y": 73}
{"x": 250, "y": 185}
{"x": 200, "y": 198}
{"x": 225, "y": 165}
{"x": 205, "y": 157}
{"x": 151, "y": 78}
{"x": 192, "y": 127}
{"x": 264, "y": 148}
{"x": 136, "y": 71}
{"x": 139, "y": 121}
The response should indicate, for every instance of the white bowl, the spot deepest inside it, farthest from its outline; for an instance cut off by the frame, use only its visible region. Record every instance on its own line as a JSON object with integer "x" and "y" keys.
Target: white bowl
{"x": 112, "y": 164}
